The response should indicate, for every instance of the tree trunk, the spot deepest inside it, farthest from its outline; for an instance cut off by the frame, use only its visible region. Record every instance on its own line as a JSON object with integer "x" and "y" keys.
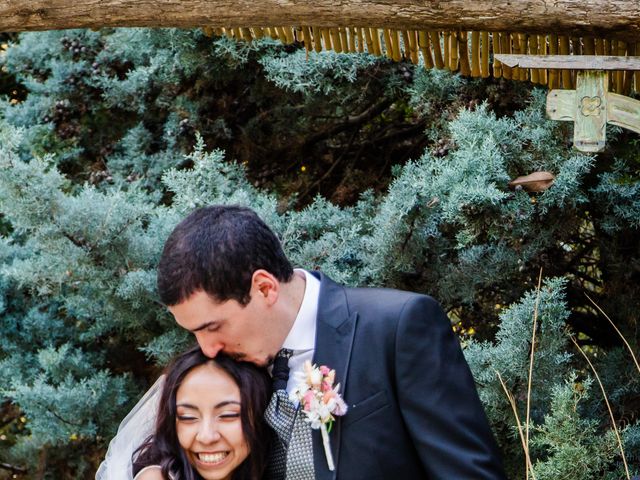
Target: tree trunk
{"x": 603, "y": 18}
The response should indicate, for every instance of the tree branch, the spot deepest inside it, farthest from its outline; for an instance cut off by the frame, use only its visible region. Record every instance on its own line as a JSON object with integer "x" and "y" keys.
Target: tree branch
{"x": 12, "y": 468}
{"x": 349, "y": 122}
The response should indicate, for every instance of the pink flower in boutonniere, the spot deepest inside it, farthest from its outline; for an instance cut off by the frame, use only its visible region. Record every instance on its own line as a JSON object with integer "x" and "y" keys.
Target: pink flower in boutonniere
{"x": 320, "y": 400}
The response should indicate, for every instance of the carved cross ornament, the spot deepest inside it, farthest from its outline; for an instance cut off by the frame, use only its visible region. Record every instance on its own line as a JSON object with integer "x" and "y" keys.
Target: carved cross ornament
{"x": 590, "y": 106}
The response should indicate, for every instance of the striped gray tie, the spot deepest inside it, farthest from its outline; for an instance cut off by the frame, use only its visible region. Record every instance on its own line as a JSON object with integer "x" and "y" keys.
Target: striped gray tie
{"x": 292, "y": 456}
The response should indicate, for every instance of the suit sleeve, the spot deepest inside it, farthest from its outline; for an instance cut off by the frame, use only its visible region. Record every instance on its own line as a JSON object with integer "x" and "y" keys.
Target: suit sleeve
{"x": 438, "y": 398}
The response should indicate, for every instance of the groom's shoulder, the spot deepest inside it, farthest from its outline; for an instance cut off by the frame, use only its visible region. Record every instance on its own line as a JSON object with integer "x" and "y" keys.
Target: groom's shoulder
{"x": 384, "y": 299}
{"x": 373, "y": 298}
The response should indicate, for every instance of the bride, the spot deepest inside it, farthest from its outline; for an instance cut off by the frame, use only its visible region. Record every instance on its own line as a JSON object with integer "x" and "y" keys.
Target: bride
{"x": 202, "y": 420}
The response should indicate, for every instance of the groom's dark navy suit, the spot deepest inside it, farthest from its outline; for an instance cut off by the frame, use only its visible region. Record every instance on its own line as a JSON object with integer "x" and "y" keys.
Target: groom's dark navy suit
{"x": 414, "y": 412}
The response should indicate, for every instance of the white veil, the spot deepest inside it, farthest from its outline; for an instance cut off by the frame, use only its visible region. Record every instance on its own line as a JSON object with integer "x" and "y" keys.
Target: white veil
{"x": 133, "y": 430}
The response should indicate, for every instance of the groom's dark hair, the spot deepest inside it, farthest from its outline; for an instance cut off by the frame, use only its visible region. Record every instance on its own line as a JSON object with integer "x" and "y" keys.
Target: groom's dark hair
{"x": 217, "y": 249}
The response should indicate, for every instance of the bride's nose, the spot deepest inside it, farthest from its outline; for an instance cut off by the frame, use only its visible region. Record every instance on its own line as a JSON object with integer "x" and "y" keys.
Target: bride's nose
{"x": 208, "y": 431}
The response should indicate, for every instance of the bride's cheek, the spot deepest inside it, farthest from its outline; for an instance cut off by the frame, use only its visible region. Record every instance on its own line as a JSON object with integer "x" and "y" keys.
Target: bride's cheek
{"x": 185, "y": 435}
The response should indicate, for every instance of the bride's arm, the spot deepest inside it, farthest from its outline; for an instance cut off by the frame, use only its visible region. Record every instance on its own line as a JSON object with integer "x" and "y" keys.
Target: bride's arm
{"x": 152, "y": 472}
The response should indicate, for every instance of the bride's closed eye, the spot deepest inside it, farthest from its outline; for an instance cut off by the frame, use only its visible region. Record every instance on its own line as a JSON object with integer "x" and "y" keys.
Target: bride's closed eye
{"x": 225, "y": 416}
{"x": 229, "y": 416}
{"x": 186, "y": 418}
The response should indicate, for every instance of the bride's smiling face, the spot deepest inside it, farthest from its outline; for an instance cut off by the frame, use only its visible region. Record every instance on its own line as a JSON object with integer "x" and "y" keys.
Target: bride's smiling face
{"x": 208, "y": 422}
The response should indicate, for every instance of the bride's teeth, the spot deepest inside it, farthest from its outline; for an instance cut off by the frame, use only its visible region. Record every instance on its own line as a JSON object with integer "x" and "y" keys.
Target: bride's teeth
{"x": 212, "y": 457}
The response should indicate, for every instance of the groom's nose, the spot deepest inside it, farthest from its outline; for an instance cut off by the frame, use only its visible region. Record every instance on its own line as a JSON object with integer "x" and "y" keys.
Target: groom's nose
{"x": 211, "y": 349}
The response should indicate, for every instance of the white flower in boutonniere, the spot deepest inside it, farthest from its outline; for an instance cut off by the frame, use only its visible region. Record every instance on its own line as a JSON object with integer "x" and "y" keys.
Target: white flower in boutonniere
{"x": 320, "y": 401}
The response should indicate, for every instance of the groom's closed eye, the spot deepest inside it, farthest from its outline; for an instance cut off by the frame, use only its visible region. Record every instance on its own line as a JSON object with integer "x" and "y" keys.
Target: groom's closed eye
{"x": 209, "y": 326}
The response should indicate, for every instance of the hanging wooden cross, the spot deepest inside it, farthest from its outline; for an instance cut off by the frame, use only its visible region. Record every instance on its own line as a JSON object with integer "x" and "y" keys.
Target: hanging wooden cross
{"x": 590, "y": 106}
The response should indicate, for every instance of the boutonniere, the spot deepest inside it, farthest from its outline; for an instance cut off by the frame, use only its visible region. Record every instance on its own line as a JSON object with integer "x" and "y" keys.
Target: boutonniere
{"x": 320, "y": 401}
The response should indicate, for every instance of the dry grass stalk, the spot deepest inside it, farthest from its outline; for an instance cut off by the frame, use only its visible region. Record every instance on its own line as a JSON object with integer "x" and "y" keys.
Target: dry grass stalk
{"x": 606, "y": 400}
{"x": 633, "y": 355}
{"x": 525, "y": 447}
{"x": 533, "y": 346}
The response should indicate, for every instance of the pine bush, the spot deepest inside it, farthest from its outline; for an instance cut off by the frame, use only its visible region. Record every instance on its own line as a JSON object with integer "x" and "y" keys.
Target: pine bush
{"x": 95, "y": 173}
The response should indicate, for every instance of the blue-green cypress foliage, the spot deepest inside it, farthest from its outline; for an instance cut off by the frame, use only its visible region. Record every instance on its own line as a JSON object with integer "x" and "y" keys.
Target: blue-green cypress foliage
{"x": 83, "y": 332}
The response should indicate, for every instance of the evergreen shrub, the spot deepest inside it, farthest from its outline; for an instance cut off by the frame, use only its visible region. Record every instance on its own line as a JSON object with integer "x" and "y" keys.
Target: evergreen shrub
{"x": 95, "y": 173}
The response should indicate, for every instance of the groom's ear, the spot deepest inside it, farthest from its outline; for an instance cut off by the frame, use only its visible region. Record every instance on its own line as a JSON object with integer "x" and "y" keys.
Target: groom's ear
{"x": 265, "y": 287}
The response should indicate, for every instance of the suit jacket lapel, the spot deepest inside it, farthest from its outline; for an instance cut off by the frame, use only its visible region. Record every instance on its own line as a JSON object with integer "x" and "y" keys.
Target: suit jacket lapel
{"x": 335, "y": 328}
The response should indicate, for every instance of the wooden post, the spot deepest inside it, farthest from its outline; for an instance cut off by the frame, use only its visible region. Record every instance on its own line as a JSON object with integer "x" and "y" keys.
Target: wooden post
{"x": 586, "y": 106}
{"x": 590, "y": 106}
{"x": 590, "y": 131}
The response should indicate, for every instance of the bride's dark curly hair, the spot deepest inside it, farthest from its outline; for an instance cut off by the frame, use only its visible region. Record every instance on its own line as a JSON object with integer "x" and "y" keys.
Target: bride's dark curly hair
{"x": 162, "y": 448}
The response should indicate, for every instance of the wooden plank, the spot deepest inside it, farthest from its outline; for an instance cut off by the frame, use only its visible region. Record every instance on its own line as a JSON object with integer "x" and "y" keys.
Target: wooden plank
{"x": 604, "y": 18}
{"x": 590, "y": 130}
{"x": 561, "y": 105}
{"x": 623, "y": 111}
{"x": 571, "y": 62}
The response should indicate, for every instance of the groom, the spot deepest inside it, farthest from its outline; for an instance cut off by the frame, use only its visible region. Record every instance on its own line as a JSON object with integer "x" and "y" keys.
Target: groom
{"x": 414, "y": 412}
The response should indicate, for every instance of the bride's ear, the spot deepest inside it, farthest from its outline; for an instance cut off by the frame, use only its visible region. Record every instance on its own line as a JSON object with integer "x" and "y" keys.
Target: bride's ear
{"x": 265, "y": 287}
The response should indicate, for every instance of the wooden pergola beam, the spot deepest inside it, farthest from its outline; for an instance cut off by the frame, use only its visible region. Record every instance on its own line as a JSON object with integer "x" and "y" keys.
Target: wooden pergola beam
{"x": 618, "y": 19}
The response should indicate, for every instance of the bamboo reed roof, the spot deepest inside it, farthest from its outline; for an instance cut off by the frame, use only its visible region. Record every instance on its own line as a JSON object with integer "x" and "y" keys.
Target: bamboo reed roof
{"x": 459, "y": 35}
{"x": 471, "y": 53}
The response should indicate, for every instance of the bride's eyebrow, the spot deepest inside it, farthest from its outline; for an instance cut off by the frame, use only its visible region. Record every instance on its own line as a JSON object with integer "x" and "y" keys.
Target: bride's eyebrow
{"x": 219, "y": 405}
{"x": 227, "y": 402}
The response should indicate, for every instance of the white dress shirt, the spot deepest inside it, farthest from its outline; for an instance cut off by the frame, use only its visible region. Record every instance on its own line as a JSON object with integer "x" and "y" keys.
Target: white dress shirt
{"x": 302, "y": 336}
